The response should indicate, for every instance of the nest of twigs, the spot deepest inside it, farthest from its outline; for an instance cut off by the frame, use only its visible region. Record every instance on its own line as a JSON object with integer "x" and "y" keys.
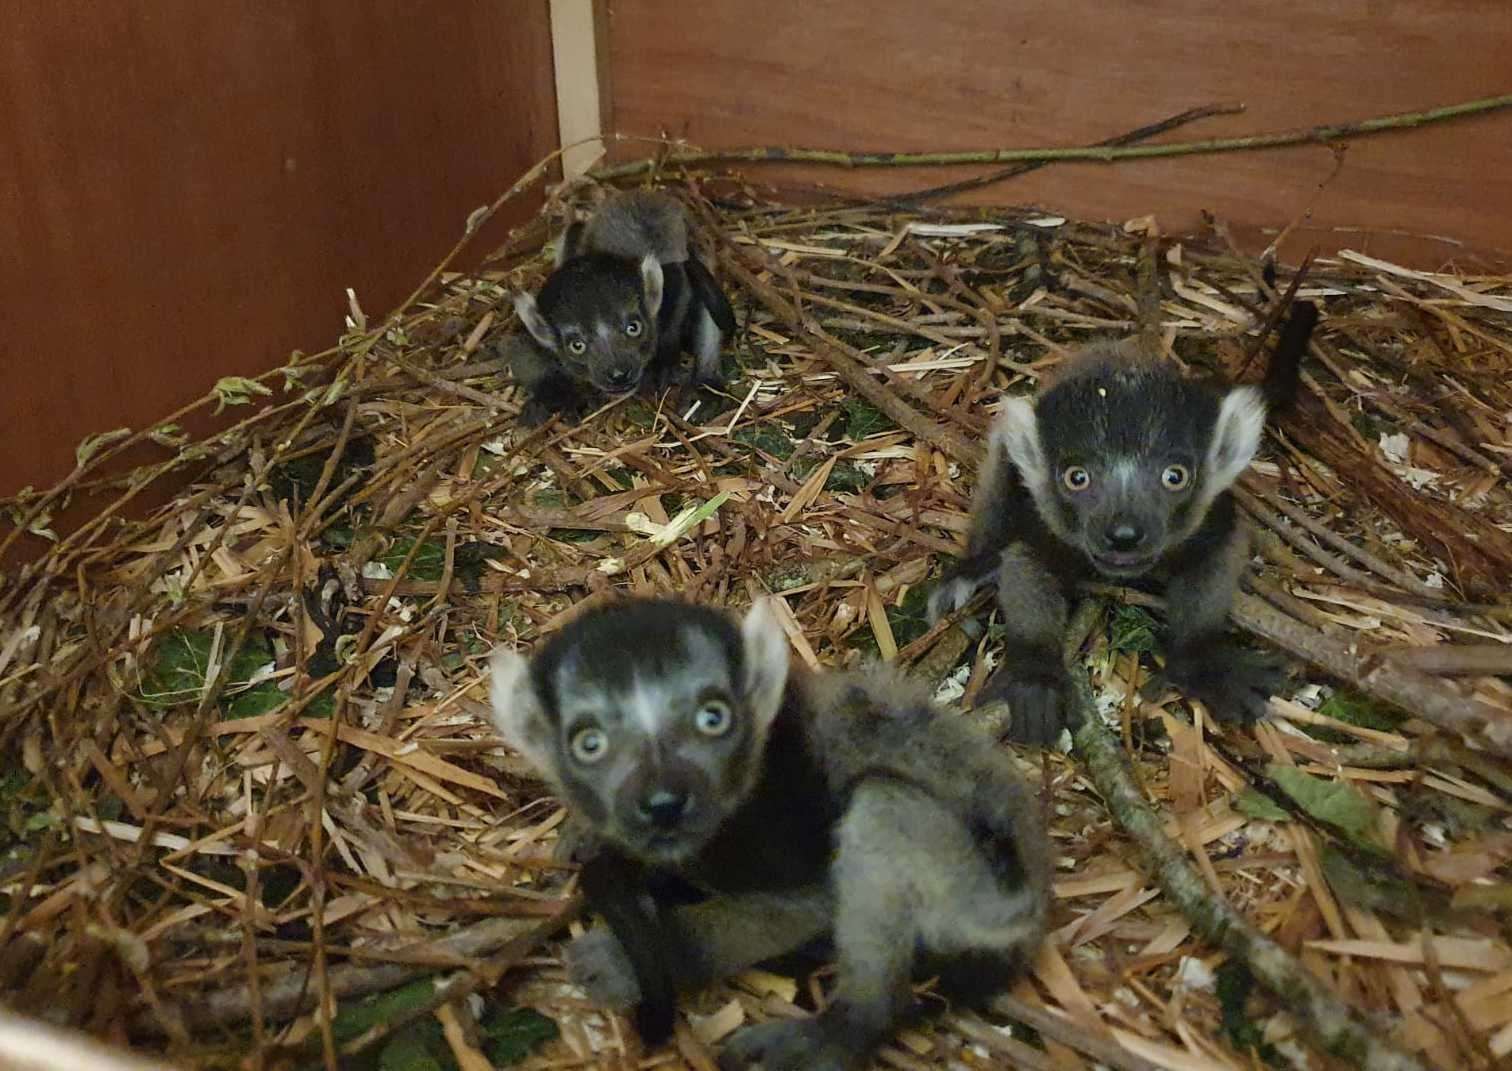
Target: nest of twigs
{"x": 257, "y": 809}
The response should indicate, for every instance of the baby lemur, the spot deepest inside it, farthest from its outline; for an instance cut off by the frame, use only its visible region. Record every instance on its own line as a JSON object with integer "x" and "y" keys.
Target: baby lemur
{"x": 627, "y": 296}
{"x": 1121, "y": 469}
{"x": 740, "y": 811}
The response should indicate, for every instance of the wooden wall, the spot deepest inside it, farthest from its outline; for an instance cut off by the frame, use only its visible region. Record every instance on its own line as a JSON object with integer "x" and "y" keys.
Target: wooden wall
{"x": 897, "y": 75}
{"x": 187, "y": 188}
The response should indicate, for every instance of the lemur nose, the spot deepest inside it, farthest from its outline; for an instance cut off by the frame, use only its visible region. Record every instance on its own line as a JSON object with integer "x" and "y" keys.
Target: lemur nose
{"x": 664, "y": 809}
{"x": 621, "y": 377}
{"x": 1125, "y": 535}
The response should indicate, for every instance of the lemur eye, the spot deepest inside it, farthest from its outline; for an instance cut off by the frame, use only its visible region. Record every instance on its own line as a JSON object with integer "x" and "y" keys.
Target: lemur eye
{"x": 577, "y": 346}
{"x": 714, "y": 718}
{"x": 589, "y": 745}
{"x": 634, "y": 327}
{"x": 1175, "y": 477}
{"x": 1076, "y": 478}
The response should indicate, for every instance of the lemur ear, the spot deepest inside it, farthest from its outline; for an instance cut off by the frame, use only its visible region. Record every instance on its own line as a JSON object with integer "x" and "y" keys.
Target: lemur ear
{"x": 652, "y": 282}
{"x": 1016, "y": 433}
{"x": 530, "y": 315}
{"x": 766, "y": 661}
{"x": 571, "y": 243}
{"x": 517, "y": 711}
{"x": 1236, "y": 436}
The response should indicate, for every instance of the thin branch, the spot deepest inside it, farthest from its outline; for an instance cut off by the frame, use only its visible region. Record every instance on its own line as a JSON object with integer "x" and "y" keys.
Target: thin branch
{"x": 1330, "y": 1023}
{"x": 1100, "y": 154}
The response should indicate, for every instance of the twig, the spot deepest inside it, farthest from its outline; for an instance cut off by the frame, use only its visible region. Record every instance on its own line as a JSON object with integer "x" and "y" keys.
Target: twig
{"x": 470, "y": 980}
{"x": 1417, "y": 693}
{"x": 1144, "y": 133}
{"x": 288, "y": 997}
{"x": 1332, "y": 1025}
{"x": 1092, "y": 153}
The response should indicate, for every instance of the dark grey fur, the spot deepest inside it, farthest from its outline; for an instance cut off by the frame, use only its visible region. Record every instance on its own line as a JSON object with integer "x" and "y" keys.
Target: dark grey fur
{"x": 628, "y": 296}
{"x": 1121, "y": 470}
{"x": 840, "y": 805}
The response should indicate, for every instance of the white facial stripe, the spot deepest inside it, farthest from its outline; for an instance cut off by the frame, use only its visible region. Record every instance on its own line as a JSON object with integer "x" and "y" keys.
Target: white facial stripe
{"x": 604, "y": 331}
{"x": 646, "y": 706}
{"x": 1124, "y": 473}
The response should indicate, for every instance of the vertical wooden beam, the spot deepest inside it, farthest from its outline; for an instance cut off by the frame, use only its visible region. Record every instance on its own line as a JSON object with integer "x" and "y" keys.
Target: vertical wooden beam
{"x": 576, "y": 26}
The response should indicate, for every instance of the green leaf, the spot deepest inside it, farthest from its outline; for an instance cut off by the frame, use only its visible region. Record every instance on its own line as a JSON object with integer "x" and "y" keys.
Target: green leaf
{"x": 261, "y": 699}
{"x": 862, "y": 420}
{"x": 363, "y": 1015}
{"x": 183, "y": 658}
{"x": 1131, "y": 629}
{"x": 910, "y": 620}
{"x": 170, "y": 435}
{"x": 768, "y": 438}
{"x": 94, "y": 443}
{"x": 1335, "y": 803}
{"x": 1235, "y": 983}
{"x": 1257, "y": 805}
{"x": 429, "y": 563}
{"x": 1356, "y": 709}
{"x": 413, "y": 1048}
{"x": 512, "y": 1034}
{"x": 237, "y": 390}
{"x": 846, "y": 476}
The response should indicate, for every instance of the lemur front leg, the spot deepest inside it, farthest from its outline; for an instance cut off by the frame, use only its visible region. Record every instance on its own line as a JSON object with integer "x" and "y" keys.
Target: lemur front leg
{"x": 1234, "y": 682}
{"x": 1032, "y": 678}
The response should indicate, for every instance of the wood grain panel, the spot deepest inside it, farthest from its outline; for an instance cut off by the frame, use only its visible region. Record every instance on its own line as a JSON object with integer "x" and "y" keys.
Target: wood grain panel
{"x": 899, "y": 75}
{"x": 187, "y": 188}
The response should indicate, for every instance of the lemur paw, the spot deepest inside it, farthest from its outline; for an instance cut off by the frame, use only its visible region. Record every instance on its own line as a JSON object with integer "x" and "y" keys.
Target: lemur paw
{"x": 535, "y": 413}
{"x": 1036, "y": 701}
{"x": 597, "y": 963}
{"x": 788, "y": 1045}
{"x": 714, "y": 384}
{"x": 950, "y": 594}
{"x": 1234, "y": 683}
{"x": 575, "y": 843}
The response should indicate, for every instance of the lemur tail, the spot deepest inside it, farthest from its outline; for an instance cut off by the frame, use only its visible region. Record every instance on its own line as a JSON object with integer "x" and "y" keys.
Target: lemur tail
{"x": 1285, "y": 369}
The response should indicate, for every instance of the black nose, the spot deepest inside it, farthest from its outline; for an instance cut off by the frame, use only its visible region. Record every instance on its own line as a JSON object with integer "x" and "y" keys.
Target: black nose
{"x": 622, "y": 377}
{"x": 1124, "y": 535}
{"x": 664, "y": 809}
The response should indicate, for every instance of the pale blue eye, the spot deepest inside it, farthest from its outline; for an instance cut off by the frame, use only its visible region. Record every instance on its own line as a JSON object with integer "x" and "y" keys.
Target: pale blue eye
{"x": 589, "y": 745}
{"x": 714, "y": 718}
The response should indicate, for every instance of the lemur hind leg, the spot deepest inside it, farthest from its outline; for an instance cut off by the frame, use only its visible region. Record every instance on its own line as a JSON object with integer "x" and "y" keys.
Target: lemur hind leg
{"x": 909, "y": 877}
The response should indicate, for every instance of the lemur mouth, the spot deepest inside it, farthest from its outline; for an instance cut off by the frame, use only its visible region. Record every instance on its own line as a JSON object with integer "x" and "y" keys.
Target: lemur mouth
{"x": 1112, "y": 563}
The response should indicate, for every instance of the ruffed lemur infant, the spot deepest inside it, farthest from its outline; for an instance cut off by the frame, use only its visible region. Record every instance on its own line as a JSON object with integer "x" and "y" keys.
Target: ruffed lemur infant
{"x": 1121, "y": 469}
{"x": 739, "y": 811}
{"x": 627, "y": 296}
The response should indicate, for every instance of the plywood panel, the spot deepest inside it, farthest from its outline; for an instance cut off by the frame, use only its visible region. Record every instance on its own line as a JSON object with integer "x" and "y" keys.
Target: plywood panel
{"x": 187, "y": 188}
{"x": 899, "y": 75}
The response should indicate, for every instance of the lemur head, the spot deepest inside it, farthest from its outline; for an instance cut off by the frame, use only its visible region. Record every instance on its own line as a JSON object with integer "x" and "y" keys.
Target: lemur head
{"x": 1123, "y": 459}
{"x": 648, "y": 717}
{"x": 597, "y": 314}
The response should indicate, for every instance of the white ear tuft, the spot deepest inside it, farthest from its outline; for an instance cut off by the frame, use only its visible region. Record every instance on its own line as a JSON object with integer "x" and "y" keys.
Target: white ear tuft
{"x": 1236, "y": 436}
{"x": 571, "y": 243}
{"x": 517, "y": 712}
{"x": 766, "y": 661}
{"x": 1016, "y": 433}
{"x": 530, "y": 315}
{"x": 651, "y": 283}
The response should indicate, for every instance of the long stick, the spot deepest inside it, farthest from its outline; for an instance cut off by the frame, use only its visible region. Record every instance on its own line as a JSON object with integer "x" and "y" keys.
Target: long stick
{"x": 1099, "y": 154}
{"x": 1330, "y": 1023}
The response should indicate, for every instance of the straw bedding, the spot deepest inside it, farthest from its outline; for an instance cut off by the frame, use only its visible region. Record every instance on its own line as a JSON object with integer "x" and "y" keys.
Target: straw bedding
{"x": 254, "y": 774}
